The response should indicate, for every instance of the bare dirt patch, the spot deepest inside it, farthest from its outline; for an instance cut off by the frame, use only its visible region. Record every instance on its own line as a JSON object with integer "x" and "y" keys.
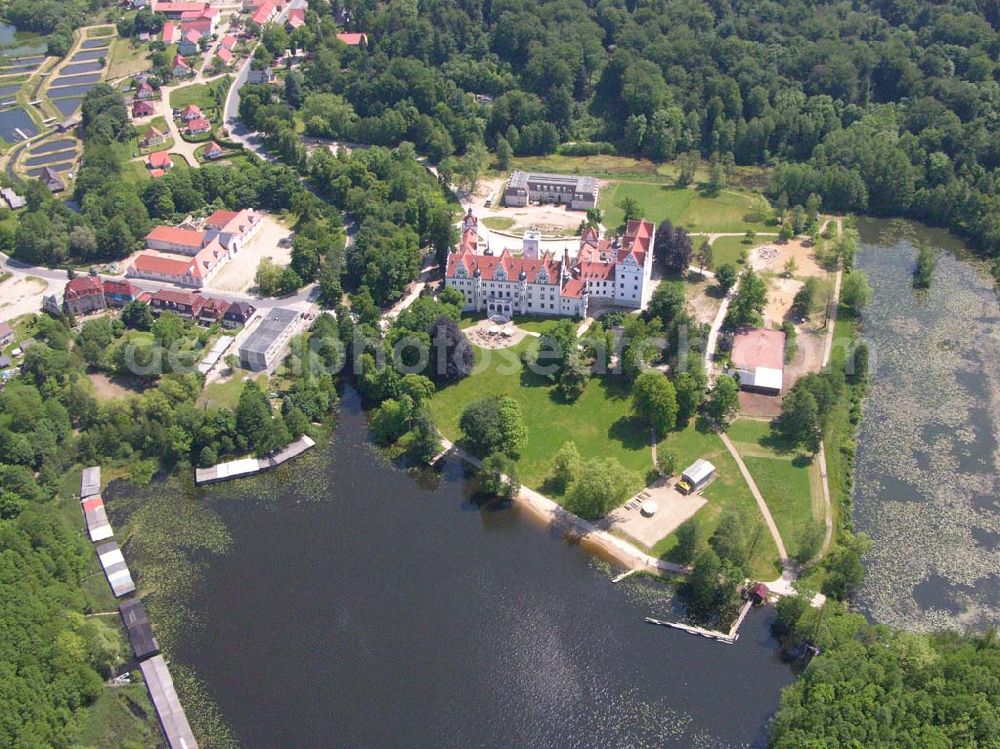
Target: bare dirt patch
{"x": 673, "y": 508}
{"x": 21, "y": 295}
{"x": 108, "y": 388}
{"x": 703, "y": 297}
{"x": 238, "y": 273}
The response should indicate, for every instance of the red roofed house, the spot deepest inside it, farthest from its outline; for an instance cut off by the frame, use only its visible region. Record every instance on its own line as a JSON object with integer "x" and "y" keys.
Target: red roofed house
{"x": 224, "y": 54}
{"x": 228, "y": 42}
{"x": 84, "y": 294}
{"x": 144, "y": 90}
{"x": 120, "y": 293}
{"x": 296, "y": 17}
{"x": 181, "y": 68}
{"x": 170, "y": 33}
{"x": 184, "y": 271}
{"x": 353, "y": 40}
{"x": 265, "y": 13}
{"x": 759, "y": 359}
{"x": 214, "y": 151}
{"x": 159, "y": 160}
{"x": 189, "y": 43}
{"x": 175, "y": 239}
{"x": 232, "y": 229}
{"x": 142, "y": 109}
{"x": 198, "y": 125}
{"x": 191, "y": 112}
{"x": 618, "y": 270}
{"x": 201, "y": 26}
{"x": 182, "y": 303}
{"x": 212, "y": 310}
{"x": 152, "y": 137}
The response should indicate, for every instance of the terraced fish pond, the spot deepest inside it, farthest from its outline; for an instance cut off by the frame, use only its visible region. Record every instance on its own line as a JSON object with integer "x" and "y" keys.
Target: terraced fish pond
{"x": 66, "y": 107}
{"x": 54, "y": 145}
{"x": 927, "y": 483}
{"x": 72, "y": 80}
{"x": 81, "y": 67}
{"x": 49, "y": 158}
{"x": 55, "y": 167}
{"x": 12, "y": 120}
{"x": 10, "y": 90}
{"x": 101, "y": 42}
{"x": 63, "y": 91}
{"x": 342, "y": 602}
{"x": 91, "y": 54}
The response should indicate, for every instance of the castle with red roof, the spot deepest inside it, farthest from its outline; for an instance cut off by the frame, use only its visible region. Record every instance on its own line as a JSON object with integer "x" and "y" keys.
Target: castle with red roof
{"x": 615, "y": 270}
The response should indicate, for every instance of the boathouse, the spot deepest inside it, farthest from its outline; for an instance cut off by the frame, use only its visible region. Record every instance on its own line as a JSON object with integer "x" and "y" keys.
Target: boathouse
{"x": 140, "y": 633}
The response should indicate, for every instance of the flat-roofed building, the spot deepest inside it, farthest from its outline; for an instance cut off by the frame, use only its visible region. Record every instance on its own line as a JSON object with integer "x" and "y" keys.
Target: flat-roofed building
{"x": 140, "y": 633}
{"x": 579, "y": 193}
{"x": 267, "y": 343}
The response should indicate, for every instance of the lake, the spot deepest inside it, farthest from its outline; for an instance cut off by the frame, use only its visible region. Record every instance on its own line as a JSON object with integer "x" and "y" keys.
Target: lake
{"x": 357, "y": 606}
{"x": 926, "y": 484}
{"x": 14, "y": 43}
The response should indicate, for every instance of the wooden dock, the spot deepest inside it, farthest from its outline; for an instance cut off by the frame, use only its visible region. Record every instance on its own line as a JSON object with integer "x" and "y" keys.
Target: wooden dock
{"x": 250, "y": 466}
{"x": 622, "y": 576}
{"x": 728, "y": 638}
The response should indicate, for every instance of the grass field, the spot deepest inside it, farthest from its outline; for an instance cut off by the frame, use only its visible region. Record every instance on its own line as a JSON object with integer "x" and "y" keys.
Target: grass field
{"x": 207, "y": 96}
{"x": 627, "y": 167}
{"x": 122, "y": 716}
{"x": 97, "y": 31}
{"x": 728, "y": 249}
{"x": 225, "y": 394}
{"x": 789, "y": 482}
{"x": 127, "y": 58}
{"x": 686, "y": 207}
{"x": 500, "y": 223}
{"x": 599, "y": 422}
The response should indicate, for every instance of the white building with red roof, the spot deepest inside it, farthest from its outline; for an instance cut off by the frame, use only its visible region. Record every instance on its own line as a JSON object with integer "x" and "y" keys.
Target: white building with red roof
{"x": 616, "y": 270}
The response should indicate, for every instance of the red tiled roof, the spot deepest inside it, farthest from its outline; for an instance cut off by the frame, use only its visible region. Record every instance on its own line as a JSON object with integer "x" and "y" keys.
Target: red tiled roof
{"x": 596, "y": 271}
{"x": 192, "y": 36}
{"x": 183, "y": 298}
{"x": 201, "y": 26}
{"x": 296, "y": 17}
{"x": 263, "y": 12}
{"x": 220, "y": 218}
{"x": 171, "y": 7}
{"x": 152, "y": 262}
{"x": 159, "y": 159}
{"x": 169, "y": 33}
{"x": 156, "y": 173}
{"x": 216, "y": 307}
{"x": 92, "y": 503}
{"x": 228, "y": 41}
{"x": 225, "y": 55}
{"x": 191, "y": 109}
{"x": 199, "y": 123}
{"x": 175, "y": 235}
{"x": 353, "y": 40}
{"x": 213, "y": 147}
{"x": 142, "y": 109}
{"x": 759, "y": 348}
{"x": 488, "y": 265}
{"x": 573, "y": 288}
{"x": 83, "y": 286}
{"x": 179, "y": 61}
{"x": 121, "y": 288}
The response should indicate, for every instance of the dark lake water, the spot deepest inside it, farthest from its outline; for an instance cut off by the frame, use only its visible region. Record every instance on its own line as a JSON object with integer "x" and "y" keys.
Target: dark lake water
{"x": 386, "y": 613}
{"x": 927, "y": 485}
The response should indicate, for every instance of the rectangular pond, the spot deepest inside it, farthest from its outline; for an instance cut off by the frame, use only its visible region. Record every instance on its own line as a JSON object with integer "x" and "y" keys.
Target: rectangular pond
{"x": 50, "y": 158}
{"x": 89, "y": 54}
{"x": 66, "y": 107}
{"x": 19, "y": 68}
{"x": 10, "y": 90}
{"x": 12, "y": 120}
{"x": 73, "y": 80}
{"x": 56, "y": 145}
{"x": 82, "y": 67}
{"x": 64, "y": 91}
{"x": 103, "y": 41}
{"x": 56, "y": 168}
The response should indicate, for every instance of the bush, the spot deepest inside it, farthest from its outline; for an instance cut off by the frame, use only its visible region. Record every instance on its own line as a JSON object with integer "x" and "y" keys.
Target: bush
{"x": 592, "y": 148}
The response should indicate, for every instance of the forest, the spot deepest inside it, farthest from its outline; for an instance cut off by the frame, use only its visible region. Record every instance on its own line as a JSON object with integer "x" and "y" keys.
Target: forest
{"x": 886, "y": 107}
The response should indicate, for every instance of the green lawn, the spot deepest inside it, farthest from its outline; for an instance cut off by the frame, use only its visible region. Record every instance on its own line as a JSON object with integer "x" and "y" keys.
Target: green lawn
{"x": 684, "y": 206}
{"x": 226, "y": 394}
{"x": 207, "y": 96}
{"x": 789, "y": 482}
{"x": 728, "y": 249}
{"x": 727, "y": 492}
{"x": 113, "y": 719}
{"x": 500, "y": 223}
{"x": 98, "y": 31}
{"x": 628, "y": 167}
{"x": 127, "y": 58}
{"x": 599, "y": 422}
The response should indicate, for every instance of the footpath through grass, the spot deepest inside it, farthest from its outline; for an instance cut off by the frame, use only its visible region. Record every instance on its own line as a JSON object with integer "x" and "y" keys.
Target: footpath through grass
{"x": 789, "y": 481}
{"x": 728, "y": 491}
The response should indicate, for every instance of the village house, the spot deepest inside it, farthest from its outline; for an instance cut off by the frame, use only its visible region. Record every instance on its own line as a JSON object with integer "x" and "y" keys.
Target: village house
{"x": 12, "y": 199}
{"x": 83, "y": 295}
{"x": 180, "y": 67}
{"x": 191, "y": 112}
{"x": 176, "y": 11}
{"x": 198, "y": 125}
{"x": 265, "y": 13}
{"x": 189, "y": 43}
{"x": 296, "y": 18}
{"x": 142, "y": 109}
{"x": 120, "y": 293}
{"x": 212, "y": 311}
{"x": 238, "y": 313}
{"x": 261, "y": 76}
{"x": 225, "y": 55}
{"x": 171, "y": 32}
{"x": 353, "y": 39}
{"x": 228, "y": 42}
{"x": 213, "y": 151}
{"x": 203, "y": 27}
{"x": 51, "y": 179}
{"x": 159, "y": 160}
{"x": 181, "y": 303}
{"x": 153, "y": 136}
{"x": 6, "y": 335}
{"x": 144, "y": 90}
{"x": 617, "y": 271}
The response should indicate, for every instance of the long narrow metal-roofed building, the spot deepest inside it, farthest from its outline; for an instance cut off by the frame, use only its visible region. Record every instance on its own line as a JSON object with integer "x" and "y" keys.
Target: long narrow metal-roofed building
{"x": 115, "y": 569}
{"x": 579, "y": 193}
{"x": 140, "y": 632}
{"x": 268, "y": 343}
{"x": 168, "y": 707}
